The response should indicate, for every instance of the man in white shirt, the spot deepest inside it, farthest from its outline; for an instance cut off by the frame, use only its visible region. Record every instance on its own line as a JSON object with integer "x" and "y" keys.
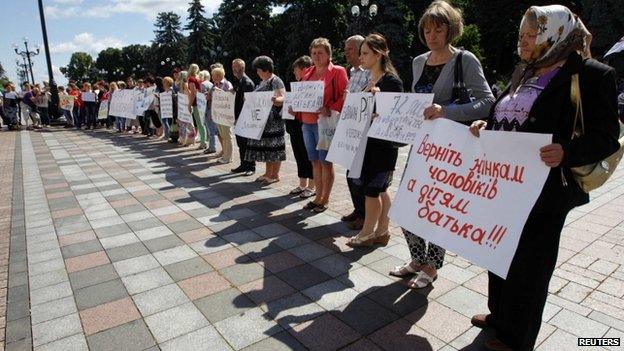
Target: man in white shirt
{"x": 358, "y": 80}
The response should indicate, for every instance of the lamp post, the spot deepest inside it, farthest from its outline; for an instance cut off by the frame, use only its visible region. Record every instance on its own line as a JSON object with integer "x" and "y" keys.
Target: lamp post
{"x": 27, "y": 54}
{"x": 166, "y": 65}
{"x": 365, "y": 11}
{"x": 22, "y": 71}
{"x": 218, "y": 53}
{"x": 54, "y": 97}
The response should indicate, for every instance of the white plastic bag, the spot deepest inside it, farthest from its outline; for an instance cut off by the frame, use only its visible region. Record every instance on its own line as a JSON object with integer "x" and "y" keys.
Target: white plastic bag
{"x": 326, "y": 129}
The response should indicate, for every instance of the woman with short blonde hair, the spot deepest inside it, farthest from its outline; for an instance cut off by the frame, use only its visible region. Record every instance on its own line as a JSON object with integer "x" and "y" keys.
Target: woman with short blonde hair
{"x": 335, "y": 82}
{"x": 222, "y": 131}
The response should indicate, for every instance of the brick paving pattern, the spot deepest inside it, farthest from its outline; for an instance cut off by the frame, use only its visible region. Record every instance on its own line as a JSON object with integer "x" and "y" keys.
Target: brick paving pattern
{"x": 122, "y": 243}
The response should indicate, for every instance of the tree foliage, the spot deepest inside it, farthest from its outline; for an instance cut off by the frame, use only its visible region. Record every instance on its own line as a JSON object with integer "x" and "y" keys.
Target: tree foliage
{"x": 109, "y": 60}
{"x": 169, "y": 42}
{"x": 247, "y": 28}
{"x": 244, "y": 30}
{"x": 79, "y": 66}
{"x": 201, "y": 34}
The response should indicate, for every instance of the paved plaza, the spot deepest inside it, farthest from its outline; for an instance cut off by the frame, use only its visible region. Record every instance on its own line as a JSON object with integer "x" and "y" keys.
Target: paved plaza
{"x": 117, "y": 242}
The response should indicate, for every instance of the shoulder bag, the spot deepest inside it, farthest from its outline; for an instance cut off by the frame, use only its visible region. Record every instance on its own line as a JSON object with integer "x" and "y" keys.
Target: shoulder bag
{"x": 592, "y": 176}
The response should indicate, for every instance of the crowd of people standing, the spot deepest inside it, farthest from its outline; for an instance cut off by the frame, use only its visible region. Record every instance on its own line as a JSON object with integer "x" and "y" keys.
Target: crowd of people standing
{"x": 551, "y": 46}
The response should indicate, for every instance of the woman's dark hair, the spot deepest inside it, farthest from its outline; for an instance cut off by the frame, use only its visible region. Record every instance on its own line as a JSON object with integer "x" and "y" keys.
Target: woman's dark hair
{"x": 303, "y": 62}
{"x": 263, "y": 63}
{"x": 378, "y": 44}
{"x": 159, "y": 85}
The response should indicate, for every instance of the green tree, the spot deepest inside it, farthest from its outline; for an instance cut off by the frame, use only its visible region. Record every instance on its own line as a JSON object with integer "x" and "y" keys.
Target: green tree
{"x": 109, "y": 59}
{"x": 133, "y": 59}
{"x": 201, "y": 34}
{"x": 244, "y": 28}
{"x": 79, "y": 67}
{"x": 3, "y": 77}
{"x": 303, "y": 21}
{"x": 169, "y": 42}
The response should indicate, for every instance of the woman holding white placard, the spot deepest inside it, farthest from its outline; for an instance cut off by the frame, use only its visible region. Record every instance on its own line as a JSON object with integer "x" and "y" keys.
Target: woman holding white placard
{"x": 552, "y": 89}
{"x": 225, "y": 136}
{"x": 336, "y": 81}
{"x": 271, "y": 148}
{"x": 186, "y": 129}
{"x": 381, "y": 155}
{"x": 439, "y": 71}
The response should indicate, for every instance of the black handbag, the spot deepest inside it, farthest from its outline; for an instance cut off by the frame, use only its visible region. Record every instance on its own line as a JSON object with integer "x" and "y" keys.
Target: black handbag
{"x": 461, "y": 95}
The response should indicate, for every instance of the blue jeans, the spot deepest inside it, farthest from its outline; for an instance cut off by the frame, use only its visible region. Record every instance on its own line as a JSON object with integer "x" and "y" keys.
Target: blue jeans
{"x": 311, "y": 139}
{"x": 167, "y": 126}
{"x": 211, "y": 131}
{"x": 91, "y": 114}
{"x": 121, "y": 123}
{"x": 77, "y": 117}
{"x": 68, "y": 117}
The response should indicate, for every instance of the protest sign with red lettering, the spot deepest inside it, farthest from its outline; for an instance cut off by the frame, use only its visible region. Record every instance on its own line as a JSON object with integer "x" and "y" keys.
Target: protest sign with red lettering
{"x": 471, "y": 195}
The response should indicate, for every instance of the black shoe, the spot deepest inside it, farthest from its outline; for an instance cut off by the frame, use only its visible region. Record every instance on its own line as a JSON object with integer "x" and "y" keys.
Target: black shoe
{"x": 238, "y": 169}
{"x": 350, "y": 217}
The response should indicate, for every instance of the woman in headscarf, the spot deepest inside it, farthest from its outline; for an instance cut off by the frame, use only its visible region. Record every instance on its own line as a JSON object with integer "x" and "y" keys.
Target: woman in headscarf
{"x": 551, "y": 43}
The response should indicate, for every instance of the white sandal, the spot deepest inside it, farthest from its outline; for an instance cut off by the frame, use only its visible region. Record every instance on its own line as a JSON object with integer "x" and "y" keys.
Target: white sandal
{"x": 402, "y": 271}
{"x": 422, "y": 280}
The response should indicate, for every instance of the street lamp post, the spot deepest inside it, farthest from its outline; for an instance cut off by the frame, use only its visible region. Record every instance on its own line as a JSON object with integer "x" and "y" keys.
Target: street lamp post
{"x": 166, "y": 64}
{"x": 26, "y": 55}
{"x": 364, "y": 11}
{"x": 218, "y": 53}
{"x": 54, "y": 101}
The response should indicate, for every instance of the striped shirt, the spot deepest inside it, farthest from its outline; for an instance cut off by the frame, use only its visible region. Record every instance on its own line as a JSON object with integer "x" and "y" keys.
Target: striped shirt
{"x": 358, "y": 80}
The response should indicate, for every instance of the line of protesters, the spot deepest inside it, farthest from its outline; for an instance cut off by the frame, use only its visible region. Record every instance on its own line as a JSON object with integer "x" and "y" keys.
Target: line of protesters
{"x": 551, "y": 45}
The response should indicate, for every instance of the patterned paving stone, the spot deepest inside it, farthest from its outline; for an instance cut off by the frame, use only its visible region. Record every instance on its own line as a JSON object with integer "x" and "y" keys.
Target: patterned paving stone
{"x": 108, "y": 315}
{"x": 203, "y": 285}
{"x": 130, "y": 336}
{"x": 100, "y": 293}
{"x": 224, "y": 304}
{"x": 172, "y": 323}
{"x": 134, "y": 227}
{"x": 247, "y": 328}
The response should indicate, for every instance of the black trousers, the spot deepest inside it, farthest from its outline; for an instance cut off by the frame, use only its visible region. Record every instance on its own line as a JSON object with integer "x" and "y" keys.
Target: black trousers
{"x": 304, "y": 166}
{"x": 242, "y": 148}
{"x": 517, "y": 303}
{"x": 357, "y": 197}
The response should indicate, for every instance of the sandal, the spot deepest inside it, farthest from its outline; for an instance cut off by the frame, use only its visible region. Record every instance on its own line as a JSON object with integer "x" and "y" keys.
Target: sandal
{"x": 320, "y": 208}
{"x": 421, "y": 281}
{"x": 357, "y": 241}
{"x": 261, "y": 179}
{"x": 404, "y": 270}
{"x": 306, "y": 193}
{"x": 269, "y": 181}
{"x": 310, "y": 205}
{"x": 296, "y": 191}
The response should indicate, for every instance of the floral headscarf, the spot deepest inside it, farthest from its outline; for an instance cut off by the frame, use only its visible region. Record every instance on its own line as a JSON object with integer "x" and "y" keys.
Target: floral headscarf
{"x": 559, "y": 33}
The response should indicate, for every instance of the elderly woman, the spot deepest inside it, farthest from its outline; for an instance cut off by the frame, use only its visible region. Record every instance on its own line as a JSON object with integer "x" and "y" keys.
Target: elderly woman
{"x": 335, "y": 80}
{"x": 538, "y": 101}
{"x": 225, "y": 136}
{"x": 434, "y": 73}
{"x": 271, "y": 147}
